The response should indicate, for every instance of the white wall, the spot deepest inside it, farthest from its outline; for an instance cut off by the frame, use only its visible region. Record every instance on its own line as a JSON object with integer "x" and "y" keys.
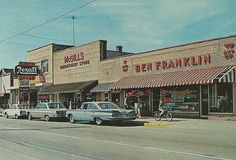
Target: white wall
{"x": 5, "y": 82}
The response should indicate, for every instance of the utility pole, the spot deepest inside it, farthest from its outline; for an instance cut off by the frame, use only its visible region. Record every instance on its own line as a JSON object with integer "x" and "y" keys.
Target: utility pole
{"x": 73, "y": 29}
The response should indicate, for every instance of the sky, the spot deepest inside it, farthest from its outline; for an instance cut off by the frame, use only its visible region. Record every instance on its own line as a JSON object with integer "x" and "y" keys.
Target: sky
{"x": 137, "y": 25}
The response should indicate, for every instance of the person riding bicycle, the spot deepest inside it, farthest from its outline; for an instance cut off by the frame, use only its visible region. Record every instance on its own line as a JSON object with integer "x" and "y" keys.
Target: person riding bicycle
{"x": 161, "y": 107}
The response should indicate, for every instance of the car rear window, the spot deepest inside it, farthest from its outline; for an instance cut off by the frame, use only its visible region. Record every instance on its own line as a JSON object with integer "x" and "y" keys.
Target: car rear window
{"x": 55, "y": 105}
{"x": 108, "y": 106}
{"x": 23, "y": 107}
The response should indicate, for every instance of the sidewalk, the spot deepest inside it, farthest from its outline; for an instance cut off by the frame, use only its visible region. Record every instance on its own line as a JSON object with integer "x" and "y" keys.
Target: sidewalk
{"x": 152, "y": 119}
{"x": 151, "y": 122}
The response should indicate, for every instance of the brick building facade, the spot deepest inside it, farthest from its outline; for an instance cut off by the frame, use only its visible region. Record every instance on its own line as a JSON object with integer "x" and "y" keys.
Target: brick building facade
{"x": 196, "y": 79}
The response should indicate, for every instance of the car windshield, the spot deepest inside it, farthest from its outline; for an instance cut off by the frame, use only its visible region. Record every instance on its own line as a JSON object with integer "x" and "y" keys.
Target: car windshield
{"x": 108, "y": 106}
{"x": 22, "y": 106}
{"x": 55, "y": 105}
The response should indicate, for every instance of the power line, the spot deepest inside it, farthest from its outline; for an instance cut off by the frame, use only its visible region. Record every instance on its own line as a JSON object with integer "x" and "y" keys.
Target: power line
{"x": 34, "y": 36}
{"x": 49, "y": 21}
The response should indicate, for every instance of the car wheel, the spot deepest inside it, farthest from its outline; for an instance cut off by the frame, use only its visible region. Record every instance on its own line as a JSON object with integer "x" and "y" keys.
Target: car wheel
{"x": 98, "y": 121}
{"x": 7, "y": 115}
{"x": 30, "y": 117}
{"x": 72, "y": 120}
{"x": 16, "y": 116}
{"x": 47, "y": 118}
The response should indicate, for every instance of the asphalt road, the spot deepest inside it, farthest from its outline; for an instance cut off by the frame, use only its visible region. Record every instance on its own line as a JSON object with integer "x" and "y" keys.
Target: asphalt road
{"x": 186, "y": 139}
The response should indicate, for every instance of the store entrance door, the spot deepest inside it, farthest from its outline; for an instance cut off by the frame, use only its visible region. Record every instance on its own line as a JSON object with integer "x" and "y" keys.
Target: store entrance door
{"x": 204, "y": 101}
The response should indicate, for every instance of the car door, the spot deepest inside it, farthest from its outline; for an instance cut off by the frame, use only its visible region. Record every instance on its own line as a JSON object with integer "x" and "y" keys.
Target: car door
{"x": 84, "y": 112}
{"x": 34, "y": 112}
{"x": 43, "y": 110}
{"x": 78, "y": 114}
{"x": 12, "y": 110}
{"x": 91, "y": 110}
{"x": 39, "y": 111}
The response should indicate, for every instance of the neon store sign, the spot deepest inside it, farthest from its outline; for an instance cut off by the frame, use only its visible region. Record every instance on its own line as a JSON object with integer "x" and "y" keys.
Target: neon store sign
{"x": 174, "y": 63}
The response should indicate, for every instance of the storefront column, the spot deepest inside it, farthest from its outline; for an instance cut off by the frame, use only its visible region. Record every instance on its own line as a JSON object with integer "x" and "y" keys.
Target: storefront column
{"x": 200, "y": 100}
{"x": 151, "y": 100}
{"x": 122, "y": 99}
{"x": 234, "y": 99}
{"x": 208, "y": 98}
{"x": 57, "y": 97}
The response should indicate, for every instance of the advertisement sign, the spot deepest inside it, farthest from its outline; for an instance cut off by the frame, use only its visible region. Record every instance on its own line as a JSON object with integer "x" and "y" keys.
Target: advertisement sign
{"x": 24, "y": 83}
{"x": 74, "y": 60}
{"x": 26, "y": 70}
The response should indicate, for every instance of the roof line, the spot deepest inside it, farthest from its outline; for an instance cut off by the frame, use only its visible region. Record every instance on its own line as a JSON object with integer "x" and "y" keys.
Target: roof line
{"x": 181, "y": 45}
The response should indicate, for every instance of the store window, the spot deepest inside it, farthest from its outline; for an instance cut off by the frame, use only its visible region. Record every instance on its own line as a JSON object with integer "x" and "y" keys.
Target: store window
{"x": 221, "y": 98}
{"x": 156, "y": 98}
{"x": 116, "y": 98}
{"x": 132, "y": 98}
{"x": 181, "y": 98}
{"x": 44, "y": 66}
{"x": 106, "y": 97}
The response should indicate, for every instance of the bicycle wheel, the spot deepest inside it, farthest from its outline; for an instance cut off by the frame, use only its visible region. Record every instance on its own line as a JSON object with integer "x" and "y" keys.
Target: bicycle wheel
{"x": 157, "y": 116}
{"x": 169, "y": 116}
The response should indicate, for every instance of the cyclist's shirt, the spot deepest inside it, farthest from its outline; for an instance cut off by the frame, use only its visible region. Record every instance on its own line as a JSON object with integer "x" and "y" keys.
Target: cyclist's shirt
{"x": 161, "y": 104}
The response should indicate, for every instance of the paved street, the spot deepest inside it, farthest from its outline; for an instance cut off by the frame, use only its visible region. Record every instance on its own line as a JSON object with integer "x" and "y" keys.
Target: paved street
{"x": 185, "y": 139}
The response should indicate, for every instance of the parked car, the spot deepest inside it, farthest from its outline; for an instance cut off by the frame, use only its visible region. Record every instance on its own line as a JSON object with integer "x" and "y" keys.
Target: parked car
{"x": 1, "y": 112}
{"x": 50, "y": 110}
{"x": 99, "y": 112}
{"x": 16, "y": 111}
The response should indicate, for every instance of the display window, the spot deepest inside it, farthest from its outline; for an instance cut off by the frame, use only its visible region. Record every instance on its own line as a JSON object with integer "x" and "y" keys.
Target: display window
{"x": 116, "y": 98}
{"x": 181, "y": 98}
{"x": 221, "y": 98}
{"x": 132, "y": 97}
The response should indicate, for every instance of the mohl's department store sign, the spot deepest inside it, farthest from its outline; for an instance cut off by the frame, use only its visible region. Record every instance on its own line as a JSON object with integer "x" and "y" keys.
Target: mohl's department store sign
{"x": 74, "y": 61}
{"x": 174, "y": 63}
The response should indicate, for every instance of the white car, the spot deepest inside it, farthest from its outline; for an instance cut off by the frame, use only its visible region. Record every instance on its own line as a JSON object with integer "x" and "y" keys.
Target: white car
{"x": 99, "y": 112}
{"x": 16, "y": 111}
{"x": 1, "y": 112}
{"x": 50, "y": 110}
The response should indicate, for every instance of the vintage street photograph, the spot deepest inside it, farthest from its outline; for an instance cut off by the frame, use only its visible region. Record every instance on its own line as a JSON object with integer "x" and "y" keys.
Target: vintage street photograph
{"x": 117, "y": 80}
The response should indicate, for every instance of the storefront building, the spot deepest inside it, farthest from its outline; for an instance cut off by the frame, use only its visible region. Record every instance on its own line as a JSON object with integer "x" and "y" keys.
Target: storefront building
{"x": 195, "y": 80}
{"x": 72, "y": 72}
{"x": 6, "y": 78}
{"x": 22, "y": 92}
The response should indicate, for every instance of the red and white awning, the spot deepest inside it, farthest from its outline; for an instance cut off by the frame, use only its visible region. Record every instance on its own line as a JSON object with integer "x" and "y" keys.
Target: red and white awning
{"x": 178, "y": 78}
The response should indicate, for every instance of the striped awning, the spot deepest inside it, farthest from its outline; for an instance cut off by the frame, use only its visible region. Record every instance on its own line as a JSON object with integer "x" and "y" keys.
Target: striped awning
{"x": 103, "y": 87}
{"x": 229, "y": 76}
{"x": 178, "y": 78}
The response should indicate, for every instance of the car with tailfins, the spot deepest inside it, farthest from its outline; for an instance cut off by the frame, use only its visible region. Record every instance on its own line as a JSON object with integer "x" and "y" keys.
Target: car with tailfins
{"x": 99, "y": 112}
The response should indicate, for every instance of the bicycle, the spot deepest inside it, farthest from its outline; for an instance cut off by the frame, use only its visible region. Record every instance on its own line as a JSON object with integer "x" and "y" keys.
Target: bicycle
{"x": 167, "y": 115}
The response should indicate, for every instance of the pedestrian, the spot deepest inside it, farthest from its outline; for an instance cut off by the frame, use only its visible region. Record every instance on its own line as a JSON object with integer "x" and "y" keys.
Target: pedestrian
{"x": 137, "y": 107}
{"x": 126, "y": 102}
{"x": 78, "y": 103}
{"x": 70, "y": 104}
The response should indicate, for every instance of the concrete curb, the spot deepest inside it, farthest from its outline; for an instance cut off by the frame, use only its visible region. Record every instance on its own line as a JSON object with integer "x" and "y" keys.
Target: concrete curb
{"x": 158, "y": 124}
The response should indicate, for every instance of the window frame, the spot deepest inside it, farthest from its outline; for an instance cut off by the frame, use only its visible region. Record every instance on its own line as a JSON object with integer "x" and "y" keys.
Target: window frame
{"x": 44, "y": 64}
